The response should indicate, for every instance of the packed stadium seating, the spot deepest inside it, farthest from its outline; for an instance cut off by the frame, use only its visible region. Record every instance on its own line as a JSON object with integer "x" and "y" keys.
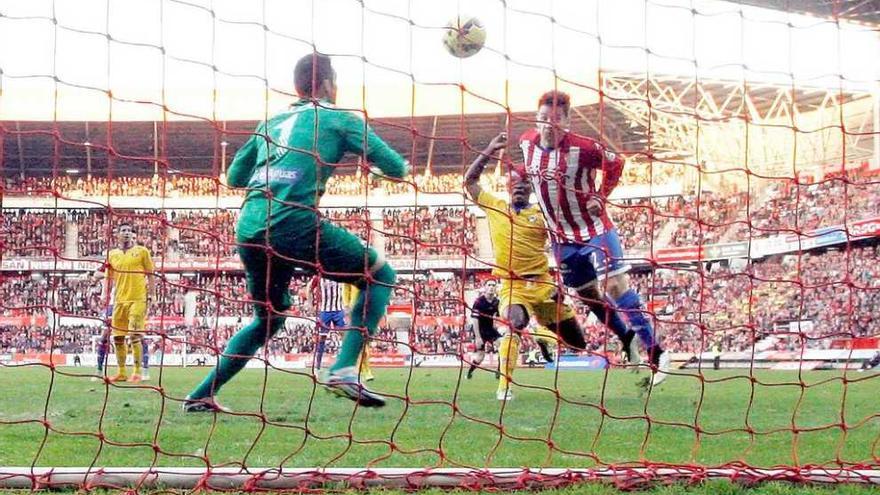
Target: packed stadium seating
{"x": 32, "y": 232}
{"x": 439, "y": 231}
{"x": 835, "y": 291}
{"x": 829, "y": 202}
{"x": 178, "y": 186}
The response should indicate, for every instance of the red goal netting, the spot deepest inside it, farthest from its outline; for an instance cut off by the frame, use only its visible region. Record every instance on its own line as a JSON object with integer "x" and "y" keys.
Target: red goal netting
{"x": 747, "y": 205}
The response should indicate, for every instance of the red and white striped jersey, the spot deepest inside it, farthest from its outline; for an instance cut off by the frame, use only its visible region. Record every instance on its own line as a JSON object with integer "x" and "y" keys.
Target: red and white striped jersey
{"x": 328, "y": 294}
{"x": 564, "y": 178}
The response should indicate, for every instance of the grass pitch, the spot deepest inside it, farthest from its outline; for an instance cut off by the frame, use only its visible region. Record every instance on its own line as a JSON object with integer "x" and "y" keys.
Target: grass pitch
{"x": 569, "y": 419}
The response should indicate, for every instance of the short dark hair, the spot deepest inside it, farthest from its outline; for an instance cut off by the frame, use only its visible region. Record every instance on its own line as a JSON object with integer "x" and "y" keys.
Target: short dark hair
{"x": 125, "y": 224}
{"x": 310, "y": 72}
{"x": 555, "y": 98}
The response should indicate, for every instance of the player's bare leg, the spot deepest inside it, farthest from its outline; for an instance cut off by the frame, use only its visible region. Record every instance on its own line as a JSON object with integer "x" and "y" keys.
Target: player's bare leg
{"x": 478, "y": 355}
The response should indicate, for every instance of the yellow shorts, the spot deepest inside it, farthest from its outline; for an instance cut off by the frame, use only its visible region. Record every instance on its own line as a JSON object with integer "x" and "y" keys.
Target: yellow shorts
{"x": 537, "y": 296}
{"x": 129, "y": 317}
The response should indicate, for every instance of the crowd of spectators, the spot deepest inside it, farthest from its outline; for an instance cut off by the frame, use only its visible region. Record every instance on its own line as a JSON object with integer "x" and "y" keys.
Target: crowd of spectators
{"x": 96, "y": 233}
{"x": 166, "y": 185}
{"x": 32, "y": 338}
{"x": 820, "y": 295}
{"x": 696, "y": 219}
{"x": 796, "y": 300}
{"x": 182, "y": 186}
{"x": 433, "y": 296}
{"x": 207, "y": 233}
{"x": 429, "y": 231}
{"x": 705, "y": 218}
{"x": 783, "y": 206}
{"x": 356, "y": 220}
{"x": 211, "y": 233}
{"x": 32, "y": 232}
{"x": 824, "y": 295}
{"x": 797, "y": 207}
{"x": 639, "y": 221}
{"x": 22, "y": 294}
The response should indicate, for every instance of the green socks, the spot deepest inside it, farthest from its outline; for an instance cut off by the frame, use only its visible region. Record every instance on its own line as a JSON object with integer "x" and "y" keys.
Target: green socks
{"x": 240, "y": 349}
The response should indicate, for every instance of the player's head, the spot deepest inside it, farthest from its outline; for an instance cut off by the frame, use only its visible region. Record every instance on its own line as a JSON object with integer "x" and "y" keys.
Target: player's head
{"x": 553, "y": 117}
{"x": 125, "y": 234}
{"x": 314, "y": 77}
{"x": 490, "y": 288}
{"x": 520, "y": 187}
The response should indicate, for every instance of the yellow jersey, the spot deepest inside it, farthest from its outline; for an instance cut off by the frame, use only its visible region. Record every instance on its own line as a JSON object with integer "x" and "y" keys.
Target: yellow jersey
{"x": 349, "y": 295}
{"x": 128, "y": 270}
{"x": 518, "y": 238}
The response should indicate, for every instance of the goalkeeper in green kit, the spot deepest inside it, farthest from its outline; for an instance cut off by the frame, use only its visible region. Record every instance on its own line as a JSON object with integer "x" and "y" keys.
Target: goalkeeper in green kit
{"x": 285, "y": 166}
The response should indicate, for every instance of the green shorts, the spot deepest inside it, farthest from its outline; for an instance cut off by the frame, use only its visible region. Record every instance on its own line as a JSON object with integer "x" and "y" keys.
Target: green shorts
{"x": 329, "y": 250}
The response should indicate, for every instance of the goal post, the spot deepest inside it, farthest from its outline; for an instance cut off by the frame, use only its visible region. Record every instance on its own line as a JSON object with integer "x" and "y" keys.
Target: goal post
{"x": 251, "y": 479}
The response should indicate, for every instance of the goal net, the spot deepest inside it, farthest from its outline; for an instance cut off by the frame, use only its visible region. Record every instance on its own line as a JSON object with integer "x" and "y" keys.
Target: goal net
{"x": 738, "y": 162}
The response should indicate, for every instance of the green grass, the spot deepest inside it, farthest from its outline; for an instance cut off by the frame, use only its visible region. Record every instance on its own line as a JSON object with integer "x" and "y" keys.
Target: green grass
{"x": 594, "y": 418}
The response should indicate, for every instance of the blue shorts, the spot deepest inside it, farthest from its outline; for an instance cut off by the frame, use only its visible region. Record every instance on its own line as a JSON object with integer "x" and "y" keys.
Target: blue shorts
{"x": 331, "y": 319}
{"x": 599, "y": 258}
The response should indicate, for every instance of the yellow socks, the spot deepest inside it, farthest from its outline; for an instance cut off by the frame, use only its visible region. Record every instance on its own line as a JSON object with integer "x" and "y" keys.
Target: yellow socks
{"x": 508, "y": 353}
{"x": 364, "y": 370}
{"x": 137, "y": 350}
{"x": 121, "y": 354}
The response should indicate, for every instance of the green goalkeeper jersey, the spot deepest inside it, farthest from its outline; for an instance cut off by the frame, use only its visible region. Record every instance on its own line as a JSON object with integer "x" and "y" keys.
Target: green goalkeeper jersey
{"x": 294, "y": 164}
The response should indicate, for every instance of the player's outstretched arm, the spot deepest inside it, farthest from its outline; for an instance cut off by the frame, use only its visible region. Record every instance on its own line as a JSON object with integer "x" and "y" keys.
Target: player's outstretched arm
{"x": 361, "y": 139}
{"x": 473, "y": 173}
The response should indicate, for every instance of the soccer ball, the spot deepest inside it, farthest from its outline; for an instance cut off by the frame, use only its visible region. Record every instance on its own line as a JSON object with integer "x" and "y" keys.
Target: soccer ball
{"x": 464, "y": 36}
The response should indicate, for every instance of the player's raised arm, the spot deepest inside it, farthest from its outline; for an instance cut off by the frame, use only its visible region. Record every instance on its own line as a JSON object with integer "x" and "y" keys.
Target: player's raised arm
{"x": 361, "y": 139}
{"x": 245, "y": 161}
{"x": 473, "y": 173}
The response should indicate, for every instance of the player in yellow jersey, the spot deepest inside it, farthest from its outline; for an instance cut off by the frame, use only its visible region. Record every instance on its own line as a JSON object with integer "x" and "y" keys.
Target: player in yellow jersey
{"x": 129, "y": 270}
{"x": 349, "y": 296}
{"x": 519, "y": 237}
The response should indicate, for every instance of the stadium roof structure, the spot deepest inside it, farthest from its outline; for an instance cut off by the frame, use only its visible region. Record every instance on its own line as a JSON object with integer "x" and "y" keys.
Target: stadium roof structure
{"x": 447, "y": 143}
{"x": 863, "y": 11}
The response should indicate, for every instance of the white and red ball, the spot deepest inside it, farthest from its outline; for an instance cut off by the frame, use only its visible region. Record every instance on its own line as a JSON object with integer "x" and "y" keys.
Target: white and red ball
{"x": 464, "y": 36}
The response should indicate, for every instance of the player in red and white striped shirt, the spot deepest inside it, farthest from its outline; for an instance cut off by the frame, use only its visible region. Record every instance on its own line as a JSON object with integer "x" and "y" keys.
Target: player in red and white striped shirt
{"x": 563, "y": 168}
